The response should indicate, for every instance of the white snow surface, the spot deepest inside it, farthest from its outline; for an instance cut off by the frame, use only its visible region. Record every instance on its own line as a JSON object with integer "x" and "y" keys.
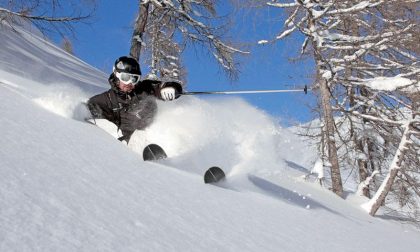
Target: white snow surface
{"x": 393, "y": 83}
{"x": 66, "y": 185}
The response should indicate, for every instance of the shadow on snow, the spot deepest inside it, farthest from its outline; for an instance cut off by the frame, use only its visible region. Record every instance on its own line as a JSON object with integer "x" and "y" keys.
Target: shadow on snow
{"x": 286, "y": 195}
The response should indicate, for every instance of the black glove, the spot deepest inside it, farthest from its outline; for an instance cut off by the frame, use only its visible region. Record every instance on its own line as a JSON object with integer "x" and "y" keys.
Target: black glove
{"x": 95, "y": 110}
{"x": 139, "y": 114}
{"x": 129, "y": 120}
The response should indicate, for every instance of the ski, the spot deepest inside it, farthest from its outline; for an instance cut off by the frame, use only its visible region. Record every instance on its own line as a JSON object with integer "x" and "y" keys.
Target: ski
{"x": 214, "y": 175}
{"x": 153, "y": 152}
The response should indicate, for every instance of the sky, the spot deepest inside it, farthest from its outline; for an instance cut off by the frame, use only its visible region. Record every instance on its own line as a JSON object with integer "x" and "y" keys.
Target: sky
{"x": 107, "y": 37}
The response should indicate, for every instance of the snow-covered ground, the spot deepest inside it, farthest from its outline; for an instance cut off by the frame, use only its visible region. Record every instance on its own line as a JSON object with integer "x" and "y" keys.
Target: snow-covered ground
{"x": 66, "y": 185}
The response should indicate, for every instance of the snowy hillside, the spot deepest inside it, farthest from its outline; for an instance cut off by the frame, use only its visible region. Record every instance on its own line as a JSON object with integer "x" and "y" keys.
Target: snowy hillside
{"x": 66, "y": 185}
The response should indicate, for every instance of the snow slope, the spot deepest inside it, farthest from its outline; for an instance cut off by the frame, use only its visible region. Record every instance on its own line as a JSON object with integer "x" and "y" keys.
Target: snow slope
{"x": 66, "y": 185}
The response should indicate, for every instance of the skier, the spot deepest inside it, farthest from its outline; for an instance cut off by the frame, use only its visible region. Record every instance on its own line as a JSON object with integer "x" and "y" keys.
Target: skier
{"x": 130, "y": 103}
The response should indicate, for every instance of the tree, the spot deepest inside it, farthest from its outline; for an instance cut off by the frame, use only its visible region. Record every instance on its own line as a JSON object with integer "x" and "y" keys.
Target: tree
{"x": 380, "y": 50}
{"x": 51, "y": 16}
{"x": 353, "y": 44}
{"x": 67, "y": 46}
{"x": 139, "y": 29}
{"x": 164, "y": 51}
{"x": 184, "y": 21}
{"x": 305, "y": 16}
{"x": 411, "y": 128}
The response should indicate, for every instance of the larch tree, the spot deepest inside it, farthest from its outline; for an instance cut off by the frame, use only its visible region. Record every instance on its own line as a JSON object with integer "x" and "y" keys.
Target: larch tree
{"x": 164, "y": 27}
{"x": 164, "y": 51}
{"x": 311, "y": 19}
{"x": 377, "y": 65}
{"x": 356, "y": 45}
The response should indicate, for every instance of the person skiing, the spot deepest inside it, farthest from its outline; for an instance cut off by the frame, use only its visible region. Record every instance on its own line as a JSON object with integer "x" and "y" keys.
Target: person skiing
{"x": 130, "y": 103}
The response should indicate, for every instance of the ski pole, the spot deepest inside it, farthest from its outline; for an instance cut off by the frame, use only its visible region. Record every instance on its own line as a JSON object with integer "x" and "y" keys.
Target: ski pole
{"x": 305, "y": 90}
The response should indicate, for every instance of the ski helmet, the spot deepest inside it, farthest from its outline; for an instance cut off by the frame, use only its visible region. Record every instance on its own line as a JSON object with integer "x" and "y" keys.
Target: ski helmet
{"x": 127, "y": 64}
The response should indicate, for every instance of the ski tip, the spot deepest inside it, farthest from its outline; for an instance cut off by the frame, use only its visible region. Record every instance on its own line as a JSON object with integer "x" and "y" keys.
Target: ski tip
{"x": 214, "y": 175}
{"x": 153, "y": 152}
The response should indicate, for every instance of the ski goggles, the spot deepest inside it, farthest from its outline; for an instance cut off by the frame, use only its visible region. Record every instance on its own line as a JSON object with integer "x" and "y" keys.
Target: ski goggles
{"x": 128, "y": 78}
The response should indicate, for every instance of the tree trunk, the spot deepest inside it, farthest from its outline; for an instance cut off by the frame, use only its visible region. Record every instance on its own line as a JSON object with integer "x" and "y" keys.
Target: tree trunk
{"x": 378, "y": 199}
{"x": 139, "y": 28}
{"x": 337, "y": 186}
{"x": 353, "y": 30}
{"x": 363, "y": 163}
{"x": 363, "y": 170}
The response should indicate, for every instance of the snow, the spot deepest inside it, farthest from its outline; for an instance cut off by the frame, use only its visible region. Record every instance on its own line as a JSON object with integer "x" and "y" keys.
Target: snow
{"x": 326, "y": 74}
{"x": 66, "y": 185}
{"x": 393, "y": 83}
{"x": 318, "y": 168}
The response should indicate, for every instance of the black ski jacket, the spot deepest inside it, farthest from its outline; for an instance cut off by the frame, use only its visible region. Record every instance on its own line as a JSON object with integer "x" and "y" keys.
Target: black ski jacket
{"x": 129, "y": 111}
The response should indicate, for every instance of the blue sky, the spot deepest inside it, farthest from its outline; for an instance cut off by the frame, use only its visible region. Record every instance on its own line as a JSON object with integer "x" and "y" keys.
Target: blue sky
{"x": 107, "y": 37}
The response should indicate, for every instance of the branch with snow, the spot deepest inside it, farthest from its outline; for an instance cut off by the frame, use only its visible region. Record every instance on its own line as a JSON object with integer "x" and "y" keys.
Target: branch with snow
{"x": 190, "y": 18}
{"x": 374, "y": 204}
{"x": 283, "y": 5}
{"x": 366, "y": 182}
{"x": 392, "y": 84}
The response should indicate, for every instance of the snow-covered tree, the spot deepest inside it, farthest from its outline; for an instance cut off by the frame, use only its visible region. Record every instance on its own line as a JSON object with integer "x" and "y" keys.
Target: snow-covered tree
{"x": 357, "y": 44}
{"x": 376, "y": 63}
{"x": 389, "y": 33}
{"x": 164, "y": 51}
{"x": 310, "y": 18}
{"x": 184, "y": 21}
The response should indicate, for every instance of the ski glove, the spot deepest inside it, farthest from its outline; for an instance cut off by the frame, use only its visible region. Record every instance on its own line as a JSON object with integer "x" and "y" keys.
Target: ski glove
{"x": 129, "y": 121}
{"x": 167, "y": 93}
{"x": 95, "y": 110}
{"x": 139, "y": 115}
